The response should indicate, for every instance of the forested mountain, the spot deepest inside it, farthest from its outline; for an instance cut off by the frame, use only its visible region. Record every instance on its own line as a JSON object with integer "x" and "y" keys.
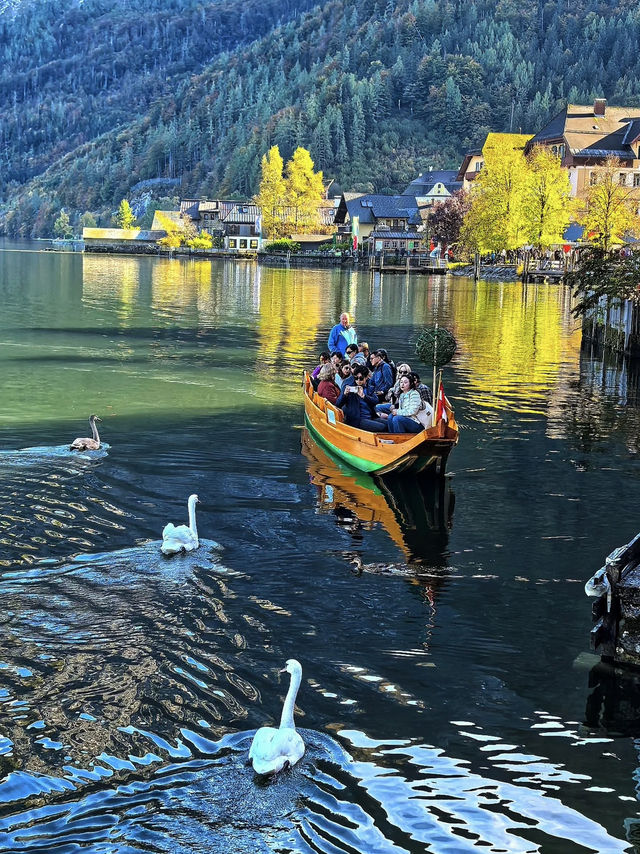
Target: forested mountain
{"x": 102, "y": 94}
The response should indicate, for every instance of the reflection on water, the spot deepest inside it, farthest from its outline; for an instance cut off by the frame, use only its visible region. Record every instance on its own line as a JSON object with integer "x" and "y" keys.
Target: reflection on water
{"x": 416, "y": 513}
{"x": 441, "y": 703}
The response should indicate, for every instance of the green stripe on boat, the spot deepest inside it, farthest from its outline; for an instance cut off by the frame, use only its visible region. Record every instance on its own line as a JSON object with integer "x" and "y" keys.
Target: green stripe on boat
{"x": 356, "y": 462}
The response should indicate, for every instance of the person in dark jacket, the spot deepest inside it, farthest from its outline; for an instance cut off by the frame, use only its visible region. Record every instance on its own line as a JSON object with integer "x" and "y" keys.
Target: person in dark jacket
{"x": 382, "y": 378}
{"x": 358, "y": 405}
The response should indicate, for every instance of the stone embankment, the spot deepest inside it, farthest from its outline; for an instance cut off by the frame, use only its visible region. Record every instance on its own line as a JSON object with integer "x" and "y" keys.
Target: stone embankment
{"x": 496, "y": 272}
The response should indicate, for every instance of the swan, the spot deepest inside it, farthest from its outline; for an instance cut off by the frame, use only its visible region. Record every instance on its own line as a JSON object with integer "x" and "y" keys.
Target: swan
{"x": 183, "y": 538}
{"x": 274, "y": 749}
{"x": 92, "y": 444}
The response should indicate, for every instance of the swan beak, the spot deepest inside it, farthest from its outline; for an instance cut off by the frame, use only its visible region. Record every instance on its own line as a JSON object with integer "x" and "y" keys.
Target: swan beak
{"x": 284, "y": 670}
{"x": 98, "y": 419}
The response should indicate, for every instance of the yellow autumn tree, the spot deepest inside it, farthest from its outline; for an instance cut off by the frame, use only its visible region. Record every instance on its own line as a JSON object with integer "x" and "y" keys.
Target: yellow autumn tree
{"x": 610, "y": 207}
{"x": 271, "y": 197}
{"x": 548, "y": 206}
{"x": 496, "y": 218}
{"x": 305, "y": 192}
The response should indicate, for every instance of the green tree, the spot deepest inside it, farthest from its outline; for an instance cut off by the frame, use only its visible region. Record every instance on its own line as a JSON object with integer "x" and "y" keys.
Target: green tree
{"x": 547, "y": 195}
{"x": 88, "y": 220}
{"x": 610, "y": 207}
{"x": 305, "y": 191}
{"x": 602, "y": 278}
{"x": 125, "y": 218}
{"x": 271, "y": 196}
{"x": 62, "y": 226}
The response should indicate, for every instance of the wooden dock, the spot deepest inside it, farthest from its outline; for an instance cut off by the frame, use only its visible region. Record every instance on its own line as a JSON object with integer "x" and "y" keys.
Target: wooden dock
{"x": 409, "y": 264}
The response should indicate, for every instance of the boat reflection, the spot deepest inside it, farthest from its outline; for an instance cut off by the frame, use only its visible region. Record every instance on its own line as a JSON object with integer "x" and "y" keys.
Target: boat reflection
{"x": 417, "y": 513}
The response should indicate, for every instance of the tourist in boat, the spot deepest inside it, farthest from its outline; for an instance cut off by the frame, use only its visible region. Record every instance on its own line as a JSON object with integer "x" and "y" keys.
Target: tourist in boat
{"x": 358, "y": 405}
{"x": 393, "y": 395}
{"x": 381, "y": 378}
{"x": 405, "y": 417}
{"x": 363, "y": 348}
{"x": 324, "y": 358}
{"x": 344, "y": 373}
{"x": 342, "y": 335}
{"x": 355, "y": 357}
{"x": 327, "y": 388}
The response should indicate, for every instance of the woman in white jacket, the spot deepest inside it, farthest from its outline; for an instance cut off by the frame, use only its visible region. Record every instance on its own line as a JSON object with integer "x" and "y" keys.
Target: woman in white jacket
{"x": 405, "y": 417}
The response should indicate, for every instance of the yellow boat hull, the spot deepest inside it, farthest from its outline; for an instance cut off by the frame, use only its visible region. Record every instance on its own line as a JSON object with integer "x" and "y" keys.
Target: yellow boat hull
{"x": 379, "y": 453}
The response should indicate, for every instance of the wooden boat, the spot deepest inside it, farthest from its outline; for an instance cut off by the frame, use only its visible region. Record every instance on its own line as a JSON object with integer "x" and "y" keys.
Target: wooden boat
{"x": 379, "y": 453}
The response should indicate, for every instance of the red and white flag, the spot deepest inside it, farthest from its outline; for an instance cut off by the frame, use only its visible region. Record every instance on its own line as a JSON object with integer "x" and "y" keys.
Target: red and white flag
{"x": 441, "y": 411}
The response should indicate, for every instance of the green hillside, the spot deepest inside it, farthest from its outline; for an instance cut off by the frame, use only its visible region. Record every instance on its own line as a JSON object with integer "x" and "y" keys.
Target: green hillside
{"x": 103, "y": 95}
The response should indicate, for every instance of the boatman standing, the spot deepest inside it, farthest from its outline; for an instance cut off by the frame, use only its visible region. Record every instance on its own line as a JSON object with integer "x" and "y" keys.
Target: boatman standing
{"x": 342, "y": 335}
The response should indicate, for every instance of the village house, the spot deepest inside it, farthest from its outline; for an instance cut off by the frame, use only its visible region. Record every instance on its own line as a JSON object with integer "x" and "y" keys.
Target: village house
{"x": 470, "y": 169}
{"x": 585, "y": 136}
{"x": 385, "y": 222}
{"x": 239, "y": 223}
{"x": 432, "y": 187}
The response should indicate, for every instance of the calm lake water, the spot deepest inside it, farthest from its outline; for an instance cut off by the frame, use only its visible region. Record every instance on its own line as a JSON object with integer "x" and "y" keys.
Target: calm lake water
{"x": 449, "y": 700}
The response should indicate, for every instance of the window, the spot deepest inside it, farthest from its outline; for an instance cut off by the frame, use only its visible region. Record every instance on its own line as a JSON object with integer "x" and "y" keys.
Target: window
{"x": 636, "y": 179}
{"x": 622, "y": 178}
{"x": 232, "y": 244}
{"x": 253, "y": 244}
{"x": 478, "y": 165}
{"x": 592, "y": 178}
{"x": 243, "y": 244}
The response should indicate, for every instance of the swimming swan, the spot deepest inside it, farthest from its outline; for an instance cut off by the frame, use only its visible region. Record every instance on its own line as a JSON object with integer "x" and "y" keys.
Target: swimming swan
{"x": 183, "y": 538}
{"x": 274, "y": 749}
{"x": 88, "y": 444}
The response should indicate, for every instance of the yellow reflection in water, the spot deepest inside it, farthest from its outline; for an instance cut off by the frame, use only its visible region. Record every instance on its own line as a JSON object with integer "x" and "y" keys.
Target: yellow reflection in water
{"x": 517, "y": 342}
{"x": 291, "y": 312}
{"x": 99, "y": 284}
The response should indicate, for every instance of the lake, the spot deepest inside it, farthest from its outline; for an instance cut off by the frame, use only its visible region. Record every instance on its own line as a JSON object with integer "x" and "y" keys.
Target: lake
{"x": 449, "y": 700}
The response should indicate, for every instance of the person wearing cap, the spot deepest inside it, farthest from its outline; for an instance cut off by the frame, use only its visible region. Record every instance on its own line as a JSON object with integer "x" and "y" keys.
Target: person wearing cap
{"x": 342, "y": 335}
{"x": 381, "y": 379}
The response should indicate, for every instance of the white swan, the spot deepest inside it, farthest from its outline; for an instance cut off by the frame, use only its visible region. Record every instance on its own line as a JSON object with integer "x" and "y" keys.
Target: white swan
{"x": 92, "y": 444}
{"x": 274, "y": 749}
{"x": 183, "y": 538}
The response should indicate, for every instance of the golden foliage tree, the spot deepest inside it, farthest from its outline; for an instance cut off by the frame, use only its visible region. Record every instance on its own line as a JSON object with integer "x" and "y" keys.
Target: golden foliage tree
{"x": 305, "y": 191}
{"x": 610, "y": 207}
{"x": 125, "y": 217}
{"x": 547, "y": 199}
{"x": 271, "y": 196}
{"x": 496, "y": 217}
{"x": 173, "y": 237}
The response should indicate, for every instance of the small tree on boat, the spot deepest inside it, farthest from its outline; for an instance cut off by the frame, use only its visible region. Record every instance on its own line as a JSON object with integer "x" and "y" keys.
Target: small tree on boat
{"x": 436, "y": 347}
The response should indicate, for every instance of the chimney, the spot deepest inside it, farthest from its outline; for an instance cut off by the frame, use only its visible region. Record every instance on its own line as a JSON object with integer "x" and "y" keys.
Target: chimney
{"x": 599, "y": 106}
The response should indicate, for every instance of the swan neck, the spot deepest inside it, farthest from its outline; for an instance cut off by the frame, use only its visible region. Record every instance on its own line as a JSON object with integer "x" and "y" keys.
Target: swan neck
{"x": 192, "y": 518}
{"x": 286, "y": 721}
{"x": 94, "y": 431}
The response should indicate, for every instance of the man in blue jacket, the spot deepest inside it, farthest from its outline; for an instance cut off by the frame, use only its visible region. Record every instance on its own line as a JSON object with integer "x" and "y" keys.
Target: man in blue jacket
{"x": 358, "y": 405}
{"x": 342, "y": 335}
{"x": 382, "y": 377}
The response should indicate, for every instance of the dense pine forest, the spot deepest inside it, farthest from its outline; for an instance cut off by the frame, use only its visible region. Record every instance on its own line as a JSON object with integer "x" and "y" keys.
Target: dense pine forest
{"x": 103, "y": 99}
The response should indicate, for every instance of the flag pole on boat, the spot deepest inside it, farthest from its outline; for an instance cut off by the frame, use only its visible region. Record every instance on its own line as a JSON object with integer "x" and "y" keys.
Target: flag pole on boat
{"x": 435, "y": 346}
